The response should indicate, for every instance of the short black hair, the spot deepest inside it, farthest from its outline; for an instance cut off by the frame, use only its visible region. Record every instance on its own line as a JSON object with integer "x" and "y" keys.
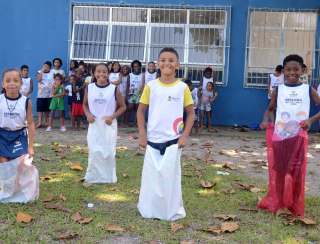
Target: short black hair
{"x": 151, "y": 62}
{"x": 24, "y": 66}
{"x": 304, "y": 66}
{"x": 188, "y": 82}
{"x": 169, "y": 50}
{"x": 293, "y": 57}
{"x": 48, "y": 63}
{"x": 75, "y": 62}
{"x": 136, "y": 62}
{"x": 208, "y": 69}
{"x": 279, "y": 68}
{"x": 59, "y": 76}
{"x": 57, "y": 59}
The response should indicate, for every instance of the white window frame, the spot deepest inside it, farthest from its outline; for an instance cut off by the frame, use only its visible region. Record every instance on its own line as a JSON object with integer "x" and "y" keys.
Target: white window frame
{"x": 148, "y": 27}
{"x": 282, "y": 30}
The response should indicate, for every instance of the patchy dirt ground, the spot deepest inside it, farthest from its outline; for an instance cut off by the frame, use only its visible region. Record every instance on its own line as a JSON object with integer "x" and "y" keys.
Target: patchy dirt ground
{"x": 234, "y": 151}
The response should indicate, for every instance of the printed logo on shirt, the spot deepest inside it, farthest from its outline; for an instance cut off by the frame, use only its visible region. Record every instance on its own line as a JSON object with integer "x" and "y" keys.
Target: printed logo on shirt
{"x": 293, "y": 98}
{"x": 178, "y": 126}
{"x": 173, "y": 99}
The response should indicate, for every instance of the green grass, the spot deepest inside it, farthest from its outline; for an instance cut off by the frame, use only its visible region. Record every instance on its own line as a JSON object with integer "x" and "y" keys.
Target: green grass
{"x": 116, "y": 204}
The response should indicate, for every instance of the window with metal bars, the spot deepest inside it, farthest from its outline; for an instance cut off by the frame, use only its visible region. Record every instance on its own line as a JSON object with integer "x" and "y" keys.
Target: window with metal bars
{"x": 117, "y": 33}
{"x": 274, "y": 34}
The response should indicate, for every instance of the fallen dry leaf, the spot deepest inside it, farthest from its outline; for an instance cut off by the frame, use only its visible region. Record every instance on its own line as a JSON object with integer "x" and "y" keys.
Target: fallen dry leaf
{"x": 49, "y": 198}
{"x": 229, "y": 227}
{"x": 56, "y": 206}
{"x": 23, "y": 217}
{"x": 247, "y": 187}
{"x": 67, "y": 236}
{"x": 122, "y": 148}
{"x": 114, "y": 228}
{"x": 80, "y": 219}
{"x": 207, "y": 145}
{"x": 76, "y": 166}
{"x": 62, "y": 197}
{"x": 207, "y": 184}
{"x": 248, "y": 209}
{"x": 229, "y": 153}
{"x": 176, "y": 227}
{"x": 44, "y": 158}
{"x": 214, "y": 230}
{"x": 187, "y": 242}
{"x": 45, "y": 178}
{"x": 225, "y": 217}
{"x": 229, "y": 166}
{"x": 306, "y": 221}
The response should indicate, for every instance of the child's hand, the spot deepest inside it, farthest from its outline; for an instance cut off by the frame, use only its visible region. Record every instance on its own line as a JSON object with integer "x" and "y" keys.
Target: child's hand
{"x": 30, "y": 151}
{"x": 306, "y": 124}
{"x": 264, "y": 125}
{"x": 142, "y": 141}
{"x": 108, "y": 120}
{"x": 182, "y": 141}
{"x": 91, "y": 118}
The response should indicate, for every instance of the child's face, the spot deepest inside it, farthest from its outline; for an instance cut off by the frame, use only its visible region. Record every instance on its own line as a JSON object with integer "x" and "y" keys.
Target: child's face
{"x": 136, "y": 68}
{"x": 72, "y": 79}
{"x": 57, "y": 64}
{"x": 207, "y": 74}
{"x": 168, "y": 63}
{"x": 24, "y": 72}
{"x": 116, "y": 67}
{"x": 12, "y": 82}
{"x": 57, "y": 81}
{"x": 209, "y": 87}
{"x": 292, "y": 71}
{"x": 125, "y": 70}
{"x": 151, "y": 68}
{"x": 82, "y": 69}
{"x": 101, "y": 73}
{"x": 46, "y": 68}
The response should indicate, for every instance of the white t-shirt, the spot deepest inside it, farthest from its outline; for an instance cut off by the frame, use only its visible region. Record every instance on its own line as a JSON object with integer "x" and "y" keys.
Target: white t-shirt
{"x": 25, "y": 88}
{"x": 58, "y": 71}
{"x": 114, "y": 77}
{"x": 13, "y": 114}
{"x": 101, "y": 100}
{"x": 69, "y": 89}
{"x": 135, "y": 83}
{"x": 123, "y": 85}
{"x": 195, "y": 97}
{"x": 293, "y": 106}
{"x": 166, "y": 105}
{"x": 275, "y": 81}
{"x": 150, "y": 76}
{"x": 205, "y": 82}
{"x": 46, "y": 84}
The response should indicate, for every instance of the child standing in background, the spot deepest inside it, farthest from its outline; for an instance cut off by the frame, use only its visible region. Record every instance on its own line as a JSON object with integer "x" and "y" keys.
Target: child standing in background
{"x": 276, "y": 79}
{"x": 57, "y": 102}
{"x": 207, "y": 97}
{"x": 207, "y": 77}
{"x": 151, "y": 72}
{"x": 135, "y": 84}
{"x": 78, "y": 86}
{"x": 115, "y": 74}
{"x": 45, "y": 83}
{"x": 57, "y": 64}
{"x": 73, "y": 66}
{"x": 27, "y": 83}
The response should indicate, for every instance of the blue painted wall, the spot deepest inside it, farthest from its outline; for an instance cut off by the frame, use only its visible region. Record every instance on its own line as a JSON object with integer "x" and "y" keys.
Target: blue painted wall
{"x": 38, "y": 30}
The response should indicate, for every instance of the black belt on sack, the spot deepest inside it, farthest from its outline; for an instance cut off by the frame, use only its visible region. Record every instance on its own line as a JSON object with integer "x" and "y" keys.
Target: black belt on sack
{"x": 162, "y": 146}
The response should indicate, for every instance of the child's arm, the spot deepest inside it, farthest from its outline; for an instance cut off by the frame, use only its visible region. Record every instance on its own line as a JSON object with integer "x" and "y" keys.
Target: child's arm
{"x": 141, "y": 125}
{"x": 31, "y": 88}
{"x": 269, "y": 114}
{"x": 189, "y": 123}
{"x": 315, "y": 96}
{"x": 30, "y": 128}
{"x": 85, "y": 106}
{"x": 121, "y": 108}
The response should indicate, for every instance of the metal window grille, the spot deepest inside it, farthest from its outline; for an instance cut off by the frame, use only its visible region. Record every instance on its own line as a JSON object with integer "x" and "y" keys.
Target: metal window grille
{"x": 274, "y": 34}
{"x": 123, "y": 33}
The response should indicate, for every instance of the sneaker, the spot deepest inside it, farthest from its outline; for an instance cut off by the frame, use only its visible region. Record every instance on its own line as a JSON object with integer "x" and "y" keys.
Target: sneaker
{"x": 63, "y": 129}
{"x": 48, "y": 129}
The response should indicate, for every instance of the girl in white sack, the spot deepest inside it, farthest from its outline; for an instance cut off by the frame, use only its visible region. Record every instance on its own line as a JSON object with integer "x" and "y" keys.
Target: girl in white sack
{"x": 19, "y": 179}
{"x": 103, "y": 104}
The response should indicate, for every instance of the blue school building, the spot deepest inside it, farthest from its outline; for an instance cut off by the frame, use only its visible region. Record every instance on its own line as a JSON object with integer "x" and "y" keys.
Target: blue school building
{"x": 242, "y": 40}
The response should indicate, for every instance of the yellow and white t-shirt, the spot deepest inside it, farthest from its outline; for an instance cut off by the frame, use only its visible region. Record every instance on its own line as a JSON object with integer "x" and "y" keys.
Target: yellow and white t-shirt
{"x": 166, "y": 104}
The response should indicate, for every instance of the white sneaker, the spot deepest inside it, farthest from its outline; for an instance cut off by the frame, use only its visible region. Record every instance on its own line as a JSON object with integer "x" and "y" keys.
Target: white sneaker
{"x": 63, "y": 129}
{"x": 48, "y": 129}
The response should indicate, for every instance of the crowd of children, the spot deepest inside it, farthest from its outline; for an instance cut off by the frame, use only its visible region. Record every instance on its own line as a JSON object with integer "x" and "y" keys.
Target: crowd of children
{"x": 172, "y": 107}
